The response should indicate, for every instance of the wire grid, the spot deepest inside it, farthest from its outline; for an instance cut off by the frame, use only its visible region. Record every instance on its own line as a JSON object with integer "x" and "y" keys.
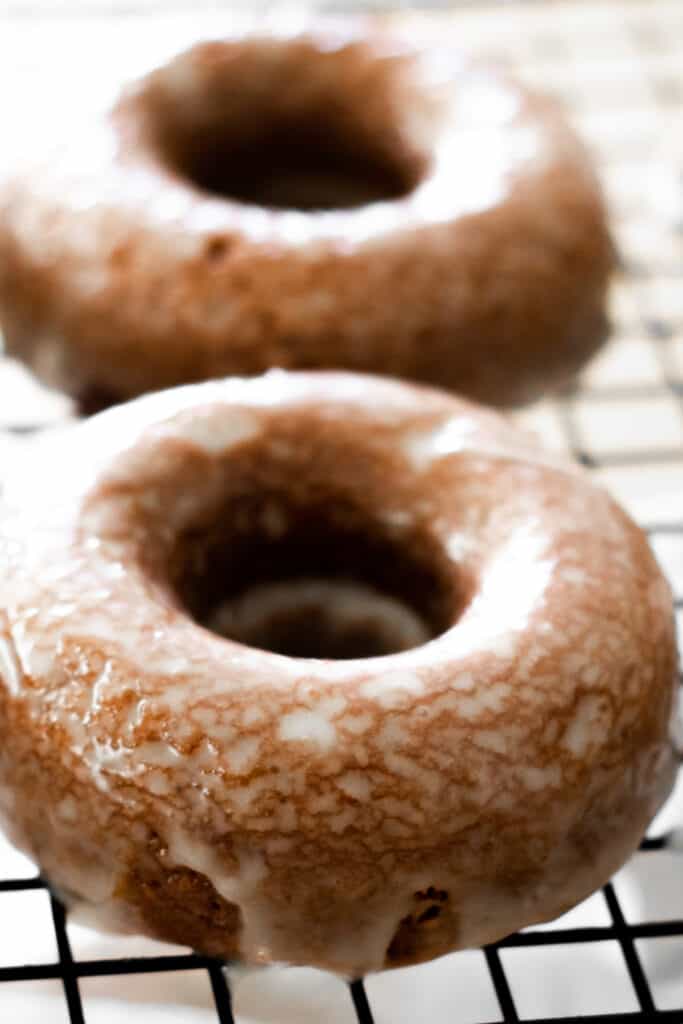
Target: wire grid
{"x": 619, "y": 67}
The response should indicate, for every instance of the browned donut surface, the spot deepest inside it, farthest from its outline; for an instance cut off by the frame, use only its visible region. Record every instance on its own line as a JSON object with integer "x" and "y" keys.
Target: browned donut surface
{"x": 343, "y": 200}
{"x": 440, "y": 709}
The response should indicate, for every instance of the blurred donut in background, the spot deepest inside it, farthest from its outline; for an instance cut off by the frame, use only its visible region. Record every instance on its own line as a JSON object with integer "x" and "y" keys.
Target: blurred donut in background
{"x": 334, "y": 199}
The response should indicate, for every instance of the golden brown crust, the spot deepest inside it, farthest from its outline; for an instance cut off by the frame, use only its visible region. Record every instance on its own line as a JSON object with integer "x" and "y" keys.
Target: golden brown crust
{"x": 120, "y": 273}
{"x": 346, "y": 814}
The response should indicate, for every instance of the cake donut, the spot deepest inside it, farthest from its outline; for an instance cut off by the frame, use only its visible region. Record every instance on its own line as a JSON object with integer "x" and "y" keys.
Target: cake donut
{"x": 475, "y": 746}
{"x": 342, "y": 200}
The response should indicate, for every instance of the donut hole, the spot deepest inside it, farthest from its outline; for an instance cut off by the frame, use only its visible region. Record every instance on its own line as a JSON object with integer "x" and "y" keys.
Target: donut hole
{"x": 320, "y": 618}
{"x": 291, "y": 166}
{"x": 285, "y": 125}
{"x": 313, "y": 582}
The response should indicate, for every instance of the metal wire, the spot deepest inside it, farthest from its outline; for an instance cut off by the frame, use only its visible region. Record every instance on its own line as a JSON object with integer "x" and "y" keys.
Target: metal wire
{"x": 69, "y": 970}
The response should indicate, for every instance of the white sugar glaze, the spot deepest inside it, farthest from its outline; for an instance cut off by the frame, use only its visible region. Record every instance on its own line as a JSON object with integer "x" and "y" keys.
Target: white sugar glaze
{"x": 254, "y": 805}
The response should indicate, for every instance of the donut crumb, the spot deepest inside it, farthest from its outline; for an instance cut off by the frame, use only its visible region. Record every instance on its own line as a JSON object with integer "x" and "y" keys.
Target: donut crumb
{"x": 416, "y": 932}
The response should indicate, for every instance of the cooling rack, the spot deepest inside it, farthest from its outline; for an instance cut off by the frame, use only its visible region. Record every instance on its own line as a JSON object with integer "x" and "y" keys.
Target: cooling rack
{"x": 619, "y": 68}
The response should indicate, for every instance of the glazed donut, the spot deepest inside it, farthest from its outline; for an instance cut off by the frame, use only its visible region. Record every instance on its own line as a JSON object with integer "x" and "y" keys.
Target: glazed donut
{"x": 268, "y": 802}
{"x": 318, "y": 201}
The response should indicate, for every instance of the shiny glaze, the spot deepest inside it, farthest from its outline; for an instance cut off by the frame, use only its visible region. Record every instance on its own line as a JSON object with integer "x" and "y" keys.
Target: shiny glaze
{"x": 268, "y": 808}
{"x": 118, "y": 275}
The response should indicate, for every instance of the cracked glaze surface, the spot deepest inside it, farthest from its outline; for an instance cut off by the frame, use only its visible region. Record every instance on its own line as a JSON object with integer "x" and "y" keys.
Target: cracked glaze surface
{"x": 119, "y": 274}
{"x": 347, "y": 814}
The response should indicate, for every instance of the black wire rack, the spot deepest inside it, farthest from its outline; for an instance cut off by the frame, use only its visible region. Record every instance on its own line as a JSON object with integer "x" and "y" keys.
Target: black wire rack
{"x": 619, "y": 67}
